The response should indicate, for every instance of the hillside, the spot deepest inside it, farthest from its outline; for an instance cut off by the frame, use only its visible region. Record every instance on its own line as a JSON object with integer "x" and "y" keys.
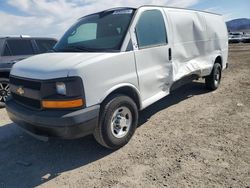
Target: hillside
{"x": 242, "y": 24}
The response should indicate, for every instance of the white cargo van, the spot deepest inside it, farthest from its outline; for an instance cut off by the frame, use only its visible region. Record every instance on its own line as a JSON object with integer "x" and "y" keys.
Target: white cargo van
{"x": 110, "y": 65}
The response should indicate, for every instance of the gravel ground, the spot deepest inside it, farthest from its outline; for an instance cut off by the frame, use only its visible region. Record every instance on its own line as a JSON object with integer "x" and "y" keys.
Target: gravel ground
{"x": 192, "y": 138}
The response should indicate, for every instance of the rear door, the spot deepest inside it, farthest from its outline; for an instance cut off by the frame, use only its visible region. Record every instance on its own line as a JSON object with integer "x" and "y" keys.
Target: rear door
{"x": 152, "y": 53}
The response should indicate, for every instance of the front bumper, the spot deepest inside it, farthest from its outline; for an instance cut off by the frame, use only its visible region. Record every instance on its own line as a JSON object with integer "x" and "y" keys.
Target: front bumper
{"x": 67, "y": 124}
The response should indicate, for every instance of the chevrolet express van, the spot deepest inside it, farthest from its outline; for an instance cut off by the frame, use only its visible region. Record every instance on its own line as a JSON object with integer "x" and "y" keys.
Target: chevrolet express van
{"x": 112, "y": 64}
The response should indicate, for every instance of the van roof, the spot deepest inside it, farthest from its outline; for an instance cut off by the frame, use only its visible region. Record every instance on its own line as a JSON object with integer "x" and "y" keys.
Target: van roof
{"x": 109, "y": 10}
{"x": 122, "y": 8}
{"x": 178, "y": 8}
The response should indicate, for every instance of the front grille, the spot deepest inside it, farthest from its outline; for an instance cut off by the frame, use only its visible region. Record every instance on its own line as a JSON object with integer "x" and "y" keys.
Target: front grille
{"x": 27, "y": 101}
{"x": 26, "y": 84}
{"x": 36, "y": 85}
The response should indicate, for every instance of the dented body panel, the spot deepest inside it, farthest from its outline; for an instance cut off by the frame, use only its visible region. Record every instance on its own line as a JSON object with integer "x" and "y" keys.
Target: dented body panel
{"x": 198, "y": 39}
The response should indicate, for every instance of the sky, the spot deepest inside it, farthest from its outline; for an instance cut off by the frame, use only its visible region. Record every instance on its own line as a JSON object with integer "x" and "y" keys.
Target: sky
{"x": 51, "y": 18}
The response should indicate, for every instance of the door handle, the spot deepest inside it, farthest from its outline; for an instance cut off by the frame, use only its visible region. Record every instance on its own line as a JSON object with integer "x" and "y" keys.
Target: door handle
{"x": 169, "y": 54}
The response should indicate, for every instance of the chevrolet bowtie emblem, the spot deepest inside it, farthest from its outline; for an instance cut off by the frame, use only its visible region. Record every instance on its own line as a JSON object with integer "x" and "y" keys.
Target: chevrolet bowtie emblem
{"x": 20, "y": 91}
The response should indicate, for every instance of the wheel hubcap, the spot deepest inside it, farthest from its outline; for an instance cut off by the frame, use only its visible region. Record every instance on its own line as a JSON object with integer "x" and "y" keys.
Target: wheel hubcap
{"x": 121, "y": 122}
{"x": 217, "y": 77}
{"x": 4, "y": 91}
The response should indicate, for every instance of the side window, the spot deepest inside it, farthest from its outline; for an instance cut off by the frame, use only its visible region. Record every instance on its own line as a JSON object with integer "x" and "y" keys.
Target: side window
{"x": 150, "y": 29}
{"x": 83, "y": 33}
{"x": 6, "y": 51}
{"x": 45, "y": 45}
{"x": 20, "y": 47}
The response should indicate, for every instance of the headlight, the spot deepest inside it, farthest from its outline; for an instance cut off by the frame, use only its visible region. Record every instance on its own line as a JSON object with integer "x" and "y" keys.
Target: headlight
{"x": 61, "y": 88}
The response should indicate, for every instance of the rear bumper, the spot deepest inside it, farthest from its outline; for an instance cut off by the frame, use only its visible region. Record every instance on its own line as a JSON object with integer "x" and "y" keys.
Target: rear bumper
{"x": 67, "y": 124}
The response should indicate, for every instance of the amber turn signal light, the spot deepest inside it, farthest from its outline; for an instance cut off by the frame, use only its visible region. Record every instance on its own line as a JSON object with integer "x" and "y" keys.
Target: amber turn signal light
{"x": 63, "y": 104}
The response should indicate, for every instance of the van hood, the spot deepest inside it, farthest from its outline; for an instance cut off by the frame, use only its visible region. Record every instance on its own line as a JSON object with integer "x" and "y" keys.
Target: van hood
{"x": 51, "y": 65}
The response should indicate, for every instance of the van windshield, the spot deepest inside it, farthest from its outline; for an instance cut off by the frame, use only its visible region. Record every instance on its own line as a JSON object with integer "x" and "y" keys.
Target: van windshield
{"x": 101, "y": 32}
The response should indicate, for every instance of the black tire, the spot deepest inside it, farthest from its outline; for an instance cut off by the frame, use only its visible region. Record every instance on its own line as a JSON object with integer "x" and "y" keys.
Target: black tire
{"x": 4, "y": 91}
{"x": 213, "y": 80}
{"x": 104, "y": 133}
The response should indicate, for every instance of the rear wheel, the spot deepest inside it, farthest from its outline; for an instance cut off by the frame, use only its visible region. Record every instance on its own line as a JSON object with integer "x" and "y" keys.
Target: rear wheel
{"x": 4, "y": 91}
{"x": 118, "y": 122}
{"x": 213, "y": 80}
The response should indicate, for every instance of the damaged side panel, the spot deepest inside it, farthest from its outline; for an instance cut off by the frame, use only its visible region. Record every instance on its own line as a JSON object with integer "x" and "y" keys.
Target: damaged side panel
{"x": 198, "y": 39}
{"x": 194, "y": 40}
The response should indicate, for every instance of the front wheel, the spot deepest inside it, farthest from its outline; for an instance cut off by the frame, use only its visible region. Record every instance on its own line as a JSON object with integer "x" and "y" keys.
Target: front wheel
{"x": 4, "y": 91}
{"x": 118, "y": 122}
{"x": 213, "y": 80}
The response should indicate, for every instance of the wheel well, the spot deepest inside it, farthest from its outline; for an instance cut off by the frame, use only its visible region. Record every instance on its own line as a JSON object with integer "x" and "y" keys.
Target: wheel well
{"x": 130, "y": 92}
{"x": 4, "y": 74}
{"x": 219, "y": 60}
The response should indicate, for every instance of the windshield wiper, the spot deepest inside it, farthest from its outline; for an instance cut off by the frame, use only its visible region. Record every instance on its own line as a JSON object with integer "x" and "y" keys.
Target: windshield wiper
{"x": 51, "y": 50}
{"x": 77, "y": 49}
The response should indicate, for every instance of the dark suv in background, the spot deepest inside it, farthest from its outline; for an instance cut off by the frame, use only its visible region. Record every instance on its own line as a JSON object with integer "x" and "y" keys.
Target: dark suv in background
{"x": 14, "y": 49}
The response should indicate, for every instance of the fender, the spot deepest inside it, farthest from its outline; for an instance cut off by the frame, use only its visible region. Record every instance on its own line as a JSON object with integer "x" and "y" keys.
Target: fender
{"x": 214, "y": 56}
{"x": 116, "y": 87}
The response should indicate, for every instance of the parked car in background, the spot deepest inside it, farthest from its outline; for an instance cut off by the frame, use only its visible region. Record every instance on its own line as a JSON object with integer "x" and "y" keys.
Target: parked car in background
{"x": 246, "y": 38}
{"x": 235, "y": 37}
{"x": 14, "y": 49}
